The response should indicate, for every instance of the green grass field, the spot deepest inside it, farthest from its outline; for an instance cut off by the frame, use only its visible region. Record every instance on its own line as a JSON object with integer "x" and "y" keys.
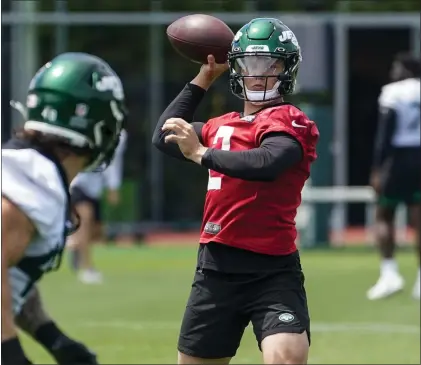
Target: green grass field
{"x": 134, "y": 317}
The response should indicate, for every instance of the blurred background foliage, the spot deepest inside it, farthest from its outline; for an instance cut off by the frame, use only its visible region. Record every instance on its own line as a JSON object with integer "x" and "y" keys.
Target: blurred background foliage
{"x": 240, "y": 5}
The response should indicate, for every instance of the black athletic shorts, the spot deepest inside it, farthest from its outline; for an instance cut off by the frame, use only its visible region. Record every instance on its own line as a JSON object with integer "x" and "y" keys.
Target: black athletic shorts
{"x": 221, "y": 305}
{"x": 401, "y": 178}
{"x": 78, "y": 196}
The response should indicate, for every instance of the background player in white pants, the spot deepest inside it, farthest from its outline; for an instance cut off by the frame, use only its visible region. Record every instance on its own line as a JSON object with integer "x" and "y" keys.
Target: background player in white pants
{"x": 56, "y": 143}
{"x": 86, "y": 192}
{"x": 396, "y": 173}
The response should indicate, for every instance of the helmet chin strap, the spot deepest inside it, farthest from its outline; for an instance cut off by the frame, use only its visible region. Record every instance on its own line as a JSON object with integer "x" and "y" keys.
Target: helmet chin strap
{"x": 263, "y": 97}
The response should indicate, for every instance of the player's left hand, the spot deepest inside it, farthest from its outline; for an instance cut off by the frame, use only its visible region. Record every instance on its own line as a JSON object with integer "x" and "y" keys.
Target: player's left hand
{"x": 186, "y": 138}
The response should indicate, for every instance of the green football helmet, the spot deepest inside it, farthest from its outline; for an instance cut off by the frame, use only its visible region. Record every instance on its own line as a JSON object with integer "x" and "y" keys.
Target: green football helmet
{"x": 257, "y": 48}
{"x": 80, "y": 99}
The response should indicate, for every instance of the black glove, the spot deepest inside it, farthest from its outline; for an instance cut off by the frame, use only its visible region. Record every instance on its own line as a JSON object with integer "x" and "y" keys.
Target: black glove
{"x": 72, "y": 352}
{"x": 12, "y": 353}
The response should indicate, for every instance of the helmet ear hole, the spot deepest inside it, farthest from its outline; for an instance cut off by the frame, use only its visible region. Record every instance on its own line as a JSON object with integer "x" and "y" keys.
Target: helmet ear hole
{"x": 107, "y": 132}
{"x": 238, "y": 87}
{"x": 282, "y": 77}
{"x": 285, "y": 85}
{"x": 235, "y": 86}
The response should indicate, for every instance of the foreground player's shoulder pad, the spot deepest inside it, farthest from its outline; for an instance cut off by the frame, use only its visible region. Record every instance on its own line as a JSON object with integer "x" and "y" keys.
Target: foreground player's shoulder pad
{"x": 389, "y": 94}
{"x": 33, "y": 184}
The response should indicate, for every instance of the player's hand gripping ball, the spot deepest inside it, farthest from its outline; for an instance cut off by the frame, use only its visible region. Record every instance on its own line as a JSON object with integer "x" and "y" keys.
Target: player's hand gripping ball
{"x": 212, "y": 70}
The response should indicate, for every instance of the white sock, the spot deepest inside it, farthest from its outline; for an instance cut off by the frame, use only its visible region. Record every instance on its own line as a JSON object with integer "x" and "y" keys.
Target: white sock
{"x": 389, "y": 266}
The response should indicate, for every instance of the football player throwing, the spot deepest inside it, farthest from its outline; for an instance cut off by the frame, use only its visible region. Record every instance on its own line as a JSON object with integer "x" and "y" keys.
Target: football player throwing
{"x": 248, "y": 267}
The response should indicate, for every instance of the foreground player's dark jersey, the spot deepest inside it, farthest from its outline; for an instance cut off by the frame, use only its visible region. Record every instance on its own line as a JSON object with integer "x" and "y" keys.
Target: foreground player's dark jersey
{"x": 258, "y": 216}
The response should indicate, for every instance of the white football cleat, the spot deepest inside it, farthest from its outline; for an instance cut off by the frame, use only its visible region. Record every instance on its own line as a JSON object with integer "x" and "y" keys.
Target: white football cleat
{"x": 388, "y": 284}
{"x": 90, "y": 276}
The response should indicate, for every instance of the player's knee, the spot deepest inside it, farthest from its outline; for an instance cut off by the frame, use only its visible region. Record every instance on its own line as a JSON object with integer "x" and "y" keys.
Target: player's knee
{"x": 385, "y": 215}
{"x": 184, "y": 359}
{"x": 285, "y": 348}
{"x": 382, "y": 229}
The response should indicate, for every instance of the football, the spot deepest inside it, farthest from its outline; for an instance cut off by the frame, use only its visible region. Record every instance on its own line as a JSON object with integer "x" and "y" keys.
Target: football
{"x": 198, "y": 35}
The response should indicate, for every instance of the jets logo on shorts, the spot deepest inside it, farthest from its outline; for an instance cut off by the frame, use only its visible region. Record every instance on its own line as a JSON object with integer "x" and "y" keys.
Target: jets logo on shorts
{"x": 286, "y": 317}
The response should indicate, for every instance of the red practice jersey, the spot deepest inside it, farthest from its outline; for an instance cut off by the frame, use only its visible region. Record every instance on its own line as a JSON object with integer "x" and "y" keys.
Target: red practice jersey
{"x": 255, "y": 215}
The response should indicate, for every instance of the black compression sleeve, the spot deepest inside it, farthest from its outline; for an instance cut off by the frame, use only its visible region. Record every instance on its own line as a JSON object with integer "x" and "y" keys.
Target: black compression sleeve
{"x": 183, "y": 106}
{"x": 278, "y": 152}
{"x": 386, "y": 128}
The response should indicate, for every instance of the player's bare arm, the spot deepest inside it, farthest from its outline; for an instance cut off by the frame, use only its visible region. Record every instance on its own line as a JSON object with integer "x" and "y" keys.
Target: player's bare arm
{"x": 387, "y": 125}
{"x": 17, "y": 231}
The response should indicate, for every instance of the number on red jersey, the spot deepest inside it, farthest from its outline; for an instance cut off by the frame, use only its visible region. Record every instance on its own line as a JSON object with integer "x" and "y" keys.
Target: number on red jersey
{"x": 223, "y": 135}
